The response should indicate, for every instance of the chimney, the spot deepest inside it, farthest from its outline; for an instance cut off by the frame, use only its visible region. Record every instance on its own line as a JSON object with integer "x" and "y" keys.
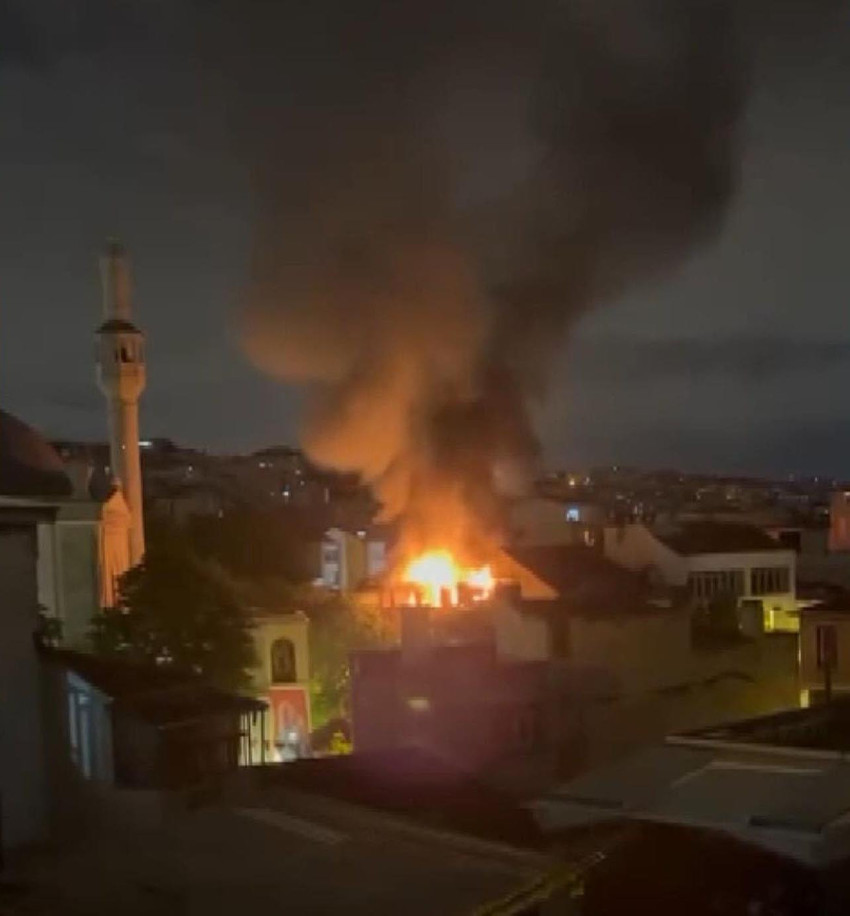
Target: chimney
{"x": 79, "y": 472}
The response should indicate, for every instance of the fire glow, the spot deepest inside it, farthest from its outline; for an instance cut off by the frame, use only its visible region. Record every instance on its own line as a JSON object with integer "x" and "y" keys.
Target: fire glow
{"x": 436, "y": 579}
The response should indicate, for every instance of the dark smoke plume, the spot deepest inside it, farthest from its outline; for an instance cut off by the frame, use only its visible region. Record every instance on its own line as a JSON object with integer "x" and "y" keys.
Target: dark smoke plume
{"x": 443, "y": 188}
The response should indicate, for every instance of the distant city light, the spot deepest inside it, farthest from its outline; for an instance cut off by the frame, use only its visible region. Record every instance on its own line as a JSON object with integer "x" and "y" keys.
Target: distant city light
{"x": 145, "y": 443}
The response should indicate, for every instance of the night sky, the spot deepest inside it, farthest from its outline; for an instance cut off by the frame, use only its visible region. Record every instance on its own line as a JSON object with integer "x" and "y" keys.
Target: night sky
{"x": 738, "y": 362}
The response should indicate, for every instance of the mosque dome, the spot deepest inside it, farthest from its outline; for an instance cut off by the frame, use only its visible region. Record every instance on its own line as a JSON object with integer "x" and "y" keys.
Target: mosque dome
{"x": 29, "y": 465}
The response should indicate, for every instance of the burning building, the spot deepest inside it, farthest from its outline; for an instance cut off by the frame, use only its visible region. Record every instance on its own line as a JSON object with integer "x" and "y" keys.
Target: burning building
{"x": 562, "y": 660}
{"x": 417, "y": 265}
{"x": 443, "y": 190}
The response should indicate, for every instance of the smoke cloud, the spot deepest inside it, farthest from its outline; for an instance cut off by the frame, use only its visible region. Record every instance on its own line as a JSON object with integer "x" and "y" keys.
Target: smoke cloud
{"x": 442, "y": 190}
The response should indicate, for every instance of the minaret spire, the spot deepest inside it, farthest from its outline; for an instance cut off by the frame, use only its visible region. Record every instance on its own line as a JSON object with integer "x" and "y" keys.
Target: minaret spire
{"x": 115, "y": 281}
{"x": 121, "y": 376}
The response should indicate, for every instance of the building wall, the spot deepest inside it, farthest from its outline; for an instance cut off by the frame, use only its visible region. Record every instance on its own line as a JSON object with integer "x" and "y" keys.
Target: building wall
{"x": 349, "y": 559}
{"x": 755, "y": 678}
{"x": 268, "y": 629}
{"x": 811, "y": 671}
{"x": 343, "y": 560}
{"x": 780, "y": 608}
{"x": 636, "y": 678}
{"x": 79, "y": 547}
{"x": 531, "y": 586}
{"x": 281, "y": 695}
{"x": 635, "y": 547}
{"x": 49, "y": 595}
{"x": 540, "y": 522}
{"x": 23, "y": 784}
{"x": 89, "y": 730}
{"x": 81, "y": 555}
{"x": 642, "y": 652}
{"x": 377, "y": 710}
{"x": 520, "y": 636}
{"x": 833, "y": 568}
{"x": 839, "y": 522}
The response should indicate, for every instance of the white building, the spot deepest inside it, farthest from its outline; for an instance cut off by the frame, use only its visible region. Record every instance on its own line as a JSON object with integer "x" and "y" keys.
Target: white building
{"x": 349, "y": 559}
{"x": 82, "y": 552}
{"x": 714, "y": 560}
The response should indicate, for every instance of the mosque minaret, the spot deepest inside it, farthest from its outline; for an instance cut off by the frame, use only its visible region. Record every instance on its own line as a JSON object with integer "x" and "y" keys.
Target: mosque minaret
{"x": 121, "y": 376}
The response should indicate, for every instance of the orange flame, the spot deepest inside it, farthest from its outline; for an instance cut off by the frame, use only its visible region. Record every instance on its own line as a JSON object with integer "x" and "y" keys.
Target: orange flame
{"x": 437, "y": 579}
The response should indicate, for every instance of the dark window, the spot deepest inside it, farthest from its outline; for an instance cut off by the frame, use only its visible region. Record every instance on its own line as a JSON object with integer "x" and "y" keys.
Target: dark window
{"x": 770, "y": 580}
{"x": 791, "y": 540}
{"x": 283, "y": 661}
{"x": 827, "y": 646}
{"x": 706, "y": 586}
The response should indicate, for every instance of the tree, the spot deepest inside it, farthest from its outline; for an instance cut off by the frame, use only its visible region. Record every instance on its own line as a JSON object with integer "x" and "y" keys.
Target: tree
{"x": 254, "y": 545}
{"x": 338, "y": 626}
{"x": 177, "y": 609}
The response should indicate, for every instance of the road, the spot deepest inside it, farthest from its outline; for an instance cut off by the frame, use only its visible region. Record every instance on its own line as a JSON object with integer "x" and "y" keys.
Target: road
{"x": 287, "y": 855}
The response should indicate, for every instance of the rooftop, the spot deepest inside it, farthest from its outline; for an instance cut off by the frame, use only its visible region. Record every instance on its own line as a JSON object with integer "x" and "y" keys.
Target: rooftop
{"x": 29, "y": 465}
{"x": 693, "y": 538}
{"x": 779, "y": 782}
{"x": 588, "y": 579}
{"x": 118, "y": 678}
{"x": 823, "y": 727}
{"x": 155, "y": 693}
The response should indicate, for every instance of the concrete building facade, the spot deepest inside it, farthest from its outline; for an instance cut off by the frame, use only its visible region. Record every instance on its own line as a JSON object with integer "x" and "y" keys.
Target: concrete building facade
{"x": 540, "y": 521}
{"x": 281, "y": 679}
{"x": 714, "y": 561}
{"x": 349, "y": 559}
{"x": 575, "y": 662}
{"x": 82, "y": 552}
{"x": 824, "y": 651}
{"x": 32, "y": 484}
